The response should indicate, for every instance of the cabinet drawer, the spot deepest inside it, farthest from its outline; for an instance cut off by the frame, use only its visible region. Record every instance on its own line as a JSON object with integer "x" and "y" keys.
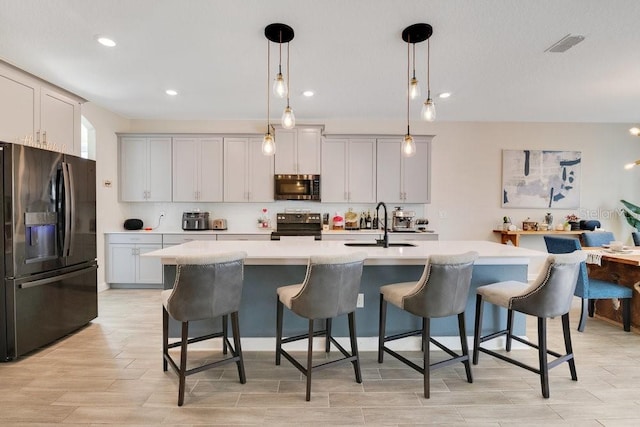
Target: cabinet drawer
{"x": 134, "y": 238}
{"x": 178, "y": 239}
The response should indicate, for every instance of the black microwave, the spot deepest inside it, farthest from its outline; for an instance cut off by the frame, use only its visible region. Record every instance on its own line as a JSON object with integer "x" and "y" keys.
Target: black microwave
{"x": 297, "y": 187}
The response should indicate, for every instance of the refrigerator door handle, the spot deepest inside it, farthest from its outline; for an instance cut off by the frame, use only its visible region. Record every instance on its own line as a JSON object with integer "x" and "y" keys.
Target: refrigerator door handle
{"x": 68, "y": 206}
{"x": 72, "y": 210}
{"x": 48, "y": 280}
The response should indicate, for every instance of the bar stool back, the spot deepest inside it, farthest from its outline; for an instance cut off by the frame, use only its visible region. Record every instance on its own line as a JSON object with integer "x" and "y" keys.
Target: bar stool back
{"x": 443, "y": 290}
{"x": 548, "y": 296}
{"x": 330, "y": 289}
{"x": 205, "y": 287}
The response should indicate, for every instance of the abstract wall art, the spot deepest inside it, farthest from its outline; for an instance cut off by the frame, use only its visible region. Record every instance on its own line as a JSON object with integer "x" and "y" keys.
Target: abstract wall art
{"x": 541, "y": 179}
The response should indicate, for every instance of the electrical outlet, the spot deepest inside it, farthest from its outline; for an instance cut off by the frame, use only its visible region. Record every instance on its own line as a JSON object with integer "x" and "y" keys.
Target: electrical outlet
{"x": 161, "y": 214}
{"x": 360, "y": 301}
{"x": 443, "y": 214}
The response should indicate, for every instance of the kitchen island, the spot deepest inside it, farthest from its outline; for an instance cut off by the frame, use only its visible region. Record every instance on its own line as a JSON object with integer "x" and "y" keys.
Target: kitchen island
{"x": 270, "y": 264}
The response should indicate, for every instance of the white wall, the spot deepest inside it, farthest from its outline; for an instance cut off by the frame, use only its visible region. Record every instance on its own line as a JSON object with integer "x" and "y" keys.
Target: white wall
{"x": 108, "y": 211}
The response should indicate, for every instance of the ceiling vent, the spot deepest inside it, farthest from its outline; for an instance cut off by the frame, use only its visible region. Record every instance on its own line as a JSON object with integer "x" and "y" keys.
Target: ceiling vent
{"x": 565, "y": 43}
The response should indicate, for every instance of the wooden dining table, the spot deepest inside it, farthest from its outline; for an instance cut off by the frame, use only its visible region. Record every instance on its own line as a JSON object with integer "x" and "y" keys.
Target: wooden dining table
{"x": 622, "y": 268}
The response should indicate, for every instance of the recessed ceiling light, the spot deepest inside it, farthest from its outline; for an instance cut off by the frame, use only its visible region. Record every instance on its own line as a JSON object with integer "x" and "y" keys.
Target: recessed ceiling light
{"x": 308, "y": 93}
{"x": 634, "y": 131}
{"x": 444, "y": 95}
{"x": 105, "y": 41}
{"x": 171, "y": 92}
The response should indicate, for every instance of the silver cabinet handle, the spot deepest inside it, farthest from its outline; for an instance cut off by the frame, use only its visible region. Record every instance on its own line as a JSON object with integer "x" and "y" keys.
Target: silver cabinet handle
{"x": 55, "y": 278}
{"x": 44, "y": 137}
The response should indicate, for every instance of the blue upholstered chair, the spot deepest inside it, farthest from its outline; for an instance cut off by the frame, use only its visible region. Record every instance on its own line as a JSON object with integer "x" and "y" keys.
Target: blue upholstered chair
{"x": 636, "y": 238}
{"x": 591, "y": 289}
{"x": 597, "y": 238}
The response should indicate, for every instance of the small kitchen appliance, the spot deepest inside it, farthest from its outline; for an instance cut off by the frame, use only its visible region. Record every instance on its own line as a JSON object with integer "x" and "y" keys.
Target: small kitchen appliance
{"x": 194, "y": 221}
{"x": 421, "y": 224}
{"x": 218, "y": 224}
{"x": 298, "y": 223}
{"x": 403, "y": 220}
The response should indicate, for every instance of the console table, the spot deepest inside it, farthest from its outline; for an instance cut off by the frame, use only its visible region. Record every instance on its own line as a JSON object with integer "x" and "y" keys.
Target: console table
{"x": 514, "y": 236}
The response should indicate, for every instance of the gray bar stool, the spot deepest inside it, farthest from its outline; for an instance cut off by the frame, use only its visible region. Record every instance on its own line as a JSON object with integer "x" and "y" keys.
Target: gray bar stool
{"x": 205, "y": 287}
{"x": 548, "y": 296}
{"x": 330, "y": 289}
{"x": 442, "y": 291}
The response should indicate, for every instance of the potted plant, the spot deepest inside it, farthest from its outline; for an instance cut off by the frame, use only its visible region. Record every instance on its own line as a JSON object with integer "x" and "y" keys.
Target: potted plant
{"x": 506, "y": 223}
{"x": 572, "y": 221}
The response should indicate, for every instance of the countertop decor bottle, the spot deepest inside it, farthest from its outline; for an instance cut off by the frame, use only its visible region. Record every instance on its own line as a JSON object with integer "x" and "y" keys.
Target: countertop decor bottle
{"x": 548, "y": 218}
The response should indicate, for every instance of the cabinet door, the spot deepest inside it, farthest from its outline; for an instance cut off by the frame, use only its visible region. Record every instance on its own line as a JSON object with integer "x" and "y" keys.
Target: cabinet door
{"x": 122, "y": 264}
{"x": 308, "y": 151}
{"x": 362, "y": 170}
{"x": 210, "y": 186}
{"x": 133, "y": 169}
{"x": 59, "y": 121}
{"x": 185, "y": 169}
{"x": 235, "y": 169}
{"x": 260, "y": 173}
{"x": 389, "y": 158}
{"x": 159, "y": 167}
{"x": 17, "y": 110}
{"x": 286, "y": 157}
{"x": 416, "y": 173}
{"x": 149, "y": 269}
{"x": 334, "y": 170}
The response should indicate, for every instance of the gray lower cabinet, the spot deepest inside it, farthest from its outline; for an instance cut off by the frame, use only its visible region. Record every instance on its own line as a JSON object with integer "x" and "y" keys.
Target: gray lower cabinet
{"x": 126, "y": 266}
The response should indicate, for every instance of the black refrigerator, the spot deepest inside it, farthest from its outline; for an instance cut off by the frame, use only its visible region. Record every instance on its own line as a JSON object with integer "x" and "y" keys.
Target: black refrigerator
{"x": 49, "y": 269}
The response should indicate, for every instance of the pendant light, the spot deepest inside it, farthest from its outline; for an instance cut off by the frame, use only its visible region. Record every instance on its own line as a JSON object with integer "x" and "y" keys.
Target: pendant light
{"x": 276, "y": 33}
{"x": 288, "y": 118}
{"x": 413, "y": 34}
{"x": 428, "y": 108}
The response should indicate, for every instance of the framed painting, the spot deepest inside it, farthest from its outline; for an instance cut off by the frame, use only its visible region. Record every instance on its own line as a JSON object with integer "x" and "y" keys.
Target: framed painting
{"x": 541, "y": 179}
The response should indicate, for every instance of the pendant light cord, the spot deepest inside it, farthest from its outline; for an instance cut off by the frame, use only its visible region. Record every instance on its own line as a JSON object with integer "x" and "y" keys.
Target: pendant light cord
{"x": 408, "y": 80}
{"x": 428, "y": 70}
{"x": 288, "y": 74}
{"x": 268, "y": 84}
{"x": 414, "y": 61}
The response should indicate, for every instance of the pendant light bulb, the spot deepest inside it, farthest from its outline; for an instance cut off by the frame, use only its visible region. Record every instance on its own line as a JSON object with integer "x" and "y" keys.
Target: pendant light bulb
{"x": 288, "y": 118}
{"x": 414, "y": 88}
{"x": 279, "y": 86}
{"x": 428, "y": 110}
{"x": 408, "y": 146}
{"x": 268, "y": 145}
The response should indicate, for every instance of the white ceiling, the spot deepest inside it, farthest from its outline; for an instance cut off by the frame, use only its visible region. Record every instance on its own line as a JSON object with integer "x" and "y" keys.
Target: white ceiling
{"x": 489, "y": 54}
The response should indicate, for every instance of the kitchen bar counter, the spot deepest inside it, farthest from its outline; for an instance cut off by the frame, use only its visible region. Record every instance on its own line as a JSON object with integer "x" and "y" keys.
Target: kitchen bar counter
{"x": 270, "y": 264}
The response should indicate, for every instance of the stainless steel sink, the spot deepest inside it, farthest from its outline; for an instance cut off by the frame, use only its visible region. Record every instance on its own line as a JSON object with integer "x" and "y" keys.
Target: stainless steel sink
{"x": 378, "y": 244}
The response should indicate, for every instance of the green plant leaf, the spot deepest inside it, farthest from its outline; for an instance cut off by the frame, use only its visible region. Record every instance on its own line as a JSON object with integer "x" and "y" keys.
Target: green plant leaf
{"x": 633, "y": 208}
{"x": 632, "y": 220}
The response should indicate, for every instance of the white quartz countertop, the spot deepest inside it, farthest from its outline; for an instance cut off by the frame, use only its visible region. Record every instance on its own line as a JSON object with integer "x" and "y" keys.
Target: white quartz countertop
{"x": 261, "y": 231}
{"x": 297, "y": 251}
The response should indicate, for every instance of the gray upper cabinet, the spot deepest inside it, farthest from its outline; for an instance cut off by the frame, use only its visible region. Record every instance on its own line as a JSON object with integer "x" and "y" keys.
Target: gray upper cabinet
{"x": 197, "y": 169}
{"x": 403, "y": 179}
{"x": 348, "y": 170}
{"x": 298, "y": 150}
{"x": 248, "y": 174}
{"x": 145, "y": 169}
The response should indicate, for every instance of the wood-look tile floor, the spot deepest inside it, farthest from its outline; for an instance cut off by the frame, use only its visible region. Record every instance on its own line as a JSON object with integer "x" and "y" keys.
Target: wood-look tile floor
{"x": 110, "y": 372}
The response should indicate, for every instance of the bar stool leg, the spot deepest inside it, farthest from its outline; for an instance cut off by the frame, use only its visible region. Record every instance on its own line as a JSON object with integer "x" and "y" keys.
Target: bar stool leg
{"x": 566, "y": 330}
{"x": 542, "y": 356}
{"x": 381, "y": 328}
{"x": 327, "y": 344}
{"x": 592, "y": 307}
{"x": 509, "y": 329}
{"x": 225, "y": 333}
{"x": 354, "y": 346}
{"x": 183, "y": 362}
{"x": 477, "y": 330}
{"x": 165, "y": 338}
{"x": 279, "y": 310}
{"x": 464, "y": 346}
{"x": 309, "y": 360}
{"x": 426, "y": 334}
{"x": 235, "y": 326}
